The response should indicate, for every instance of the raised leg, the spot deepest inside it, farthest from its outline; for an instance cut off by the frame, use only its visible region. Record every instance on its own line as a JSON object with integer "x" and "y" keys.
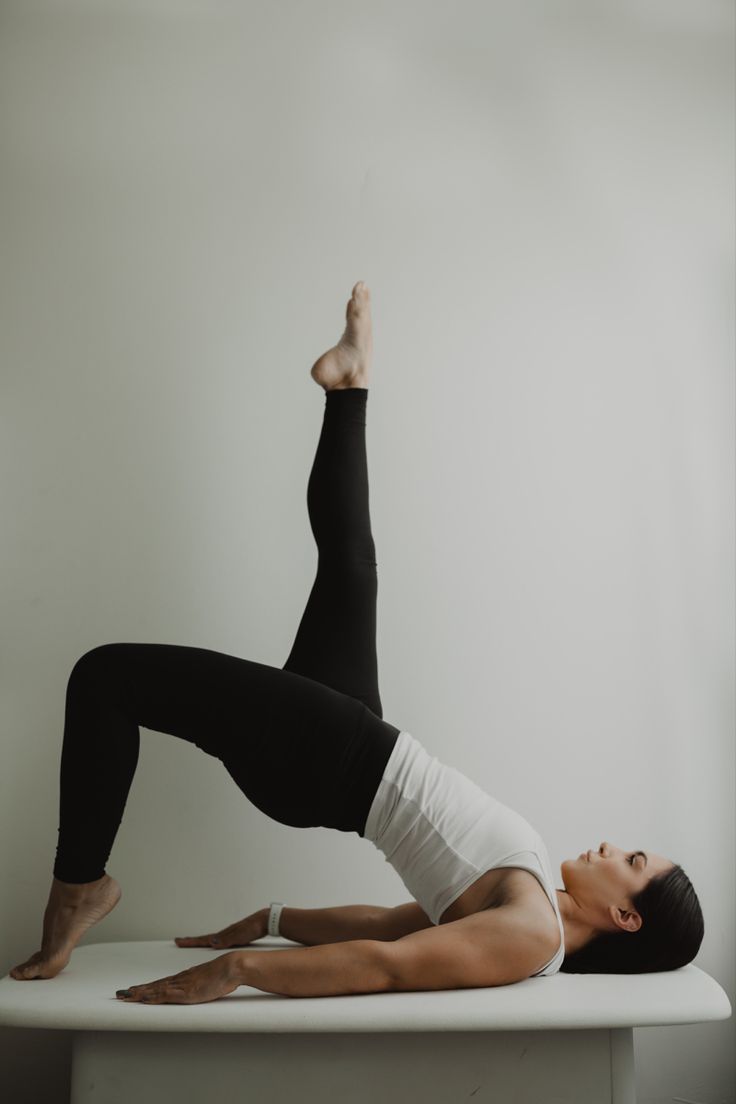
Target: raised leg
{"x": 336, "y": 640}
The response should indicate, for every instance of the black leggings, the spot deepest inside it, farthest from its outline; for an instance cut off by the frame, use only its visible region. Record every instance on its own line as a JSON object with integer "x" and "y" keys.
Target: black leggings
{"x": 305, "y": 743}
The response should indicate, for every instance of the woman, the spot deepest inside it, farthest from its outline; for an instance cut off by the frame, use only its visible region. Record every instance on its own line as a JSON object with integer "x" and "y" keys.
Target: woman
{"x": 307, "y": 744}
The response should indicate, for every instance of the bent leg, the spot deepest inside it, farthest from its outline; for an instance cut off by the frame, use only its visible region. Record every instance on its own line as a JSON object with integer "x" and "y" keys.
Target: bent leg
{"x": 336, "y": 640}
{"x": 294, "y": 746}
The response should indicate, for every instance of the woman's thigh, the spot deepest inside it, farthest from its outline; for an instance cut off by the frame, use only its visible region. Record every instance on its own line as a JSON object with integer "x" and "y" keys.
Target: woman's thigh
{"x": 290, "y": 743}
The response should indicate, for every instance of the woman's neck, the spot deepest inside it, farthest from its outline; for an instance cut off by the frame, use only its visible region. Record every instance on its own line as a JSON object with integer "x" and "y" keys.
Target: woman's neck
{"x": 578, "y": 930}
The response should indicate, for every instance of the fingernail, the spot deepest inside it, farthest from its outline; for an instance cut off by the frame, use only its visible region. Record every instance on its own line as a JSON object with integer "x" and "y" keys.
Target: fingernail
{"x": 123, "y": 993}
{"x": 215, "y": 941}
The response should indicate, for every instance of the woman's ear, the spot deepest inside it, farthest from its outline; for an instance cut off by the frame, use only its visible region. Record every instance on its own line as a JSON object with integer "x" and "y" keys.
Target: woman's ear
{"x": 626, "y": 919}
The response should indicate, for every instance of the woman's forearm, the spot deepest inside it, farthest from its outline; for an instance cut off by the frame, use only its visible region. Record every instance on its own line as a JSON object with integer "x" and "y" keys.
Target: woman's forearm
{"x": 359, "y": 966}
{"x": 315, "y": 927}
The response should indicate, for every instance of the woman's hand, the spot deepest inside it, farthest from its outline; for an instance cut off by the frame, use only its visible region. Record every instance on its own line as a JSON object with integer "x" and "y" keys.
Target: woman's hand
{"x": 206, "y": 982}
{"x": 239, "y": 934}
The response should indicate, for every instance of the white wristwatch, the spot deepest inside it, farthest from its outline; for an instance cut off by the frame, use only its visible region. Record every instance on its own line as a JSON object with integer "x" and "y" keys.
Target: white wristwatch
{"x": 274, "y": 916}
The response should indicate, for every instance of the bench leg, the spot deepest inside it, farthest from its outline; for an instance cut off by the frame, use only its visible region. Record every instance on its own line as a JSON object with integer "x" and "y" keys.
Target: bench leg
{"x": 623, "y": 1070}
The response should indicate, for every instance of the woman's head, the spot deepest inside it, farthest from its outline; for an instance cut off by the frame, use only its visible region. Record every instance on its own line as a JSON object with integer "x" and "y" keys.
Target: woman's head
{"x": 642, "y": 909}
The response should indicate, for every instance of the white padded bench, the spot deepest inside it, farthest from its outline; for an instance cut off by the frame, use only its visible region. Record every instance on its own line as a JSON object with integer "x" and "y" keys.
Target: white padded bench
{"x": 563, "y": 1038}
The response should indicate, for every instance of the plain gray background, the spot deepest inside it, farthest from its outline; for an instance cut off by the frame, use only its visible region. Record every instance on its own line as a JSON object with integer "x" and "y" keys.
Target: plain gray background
{"x": 540, "y": 197}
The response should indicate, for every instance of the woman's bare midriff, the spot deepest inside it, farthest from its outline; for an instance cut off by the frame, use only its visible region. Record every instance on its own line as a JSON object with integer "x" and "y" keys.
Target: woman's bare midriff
{"x": 509, "y": 885}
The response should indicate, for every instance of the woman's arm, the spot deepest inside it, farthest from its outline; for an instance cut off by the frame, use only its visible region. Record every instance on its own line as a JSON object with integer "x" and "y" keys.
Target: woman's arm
{"x": 405, "y": 919}
{"x": 357, "y": 966}
{"x": 315, "y": 927}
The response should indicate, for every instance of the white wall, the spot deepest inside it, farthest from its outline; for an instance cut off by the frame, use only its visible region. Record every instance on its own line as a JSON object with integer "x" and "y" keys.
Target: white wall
{"x": 540, "y": 198}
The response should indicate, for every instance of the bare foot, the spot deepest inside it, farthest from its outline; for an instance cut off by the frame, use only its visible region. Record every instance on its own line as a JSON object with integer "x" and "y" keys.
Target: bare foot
{"x": 70, "y": 911}
{"x": 348, "y": 363}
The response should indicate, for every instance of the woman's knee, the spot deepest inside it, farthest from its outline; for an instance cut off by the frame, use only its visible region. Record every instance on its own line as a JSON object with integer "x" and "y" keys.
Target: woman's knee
{"x": 98, "y": 662}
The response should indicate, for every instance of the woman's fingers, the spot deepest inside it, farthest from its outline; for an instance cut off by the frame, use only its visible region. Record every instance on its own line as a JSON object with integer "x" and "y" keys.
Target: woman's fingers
{"x": 239, "y": 934}
{"x": 217, "y": 939}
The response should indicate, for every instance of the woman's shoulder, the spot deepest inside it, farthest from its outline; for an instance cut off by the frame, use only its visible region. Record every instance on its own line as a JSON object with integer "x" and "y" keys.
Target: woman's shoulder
{"x": 524, "y": 898}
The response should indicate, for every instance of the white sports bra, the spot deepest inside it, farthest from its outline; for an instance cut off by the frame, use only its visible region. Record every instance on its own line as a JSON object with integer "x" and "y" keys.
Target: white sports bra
{"x": 441, "y": 832}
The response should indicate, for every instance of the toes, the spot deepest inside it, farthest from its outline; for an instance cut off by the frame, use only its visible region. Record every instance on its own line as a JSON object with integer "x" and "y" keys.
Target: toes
{"x": 22, "y": 973}
{"x": 359, "y": 305}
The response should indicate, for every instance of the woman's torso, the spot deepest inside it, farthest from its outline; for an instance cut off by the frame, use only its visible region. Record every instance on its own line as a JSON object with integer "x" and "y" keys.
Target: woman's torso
{"x": 458, "y": 850}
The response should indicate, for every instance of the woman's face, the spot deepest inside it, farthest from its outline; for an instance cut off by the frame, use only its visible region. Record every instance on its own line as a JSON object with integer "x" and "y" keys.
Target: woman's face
{"x": 604, "y": 882}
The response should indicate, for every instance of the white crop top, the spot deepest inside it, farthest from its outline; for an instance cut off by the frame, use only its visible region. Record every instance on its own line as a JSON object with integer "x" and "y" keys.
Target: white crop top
{"x": 441, "y": 832}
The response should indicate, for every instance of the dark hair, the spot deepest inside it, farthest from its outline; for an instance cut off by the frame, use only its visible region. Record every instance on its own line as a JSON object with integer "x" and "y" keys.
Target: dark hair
{"x": 669, "y": 937}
